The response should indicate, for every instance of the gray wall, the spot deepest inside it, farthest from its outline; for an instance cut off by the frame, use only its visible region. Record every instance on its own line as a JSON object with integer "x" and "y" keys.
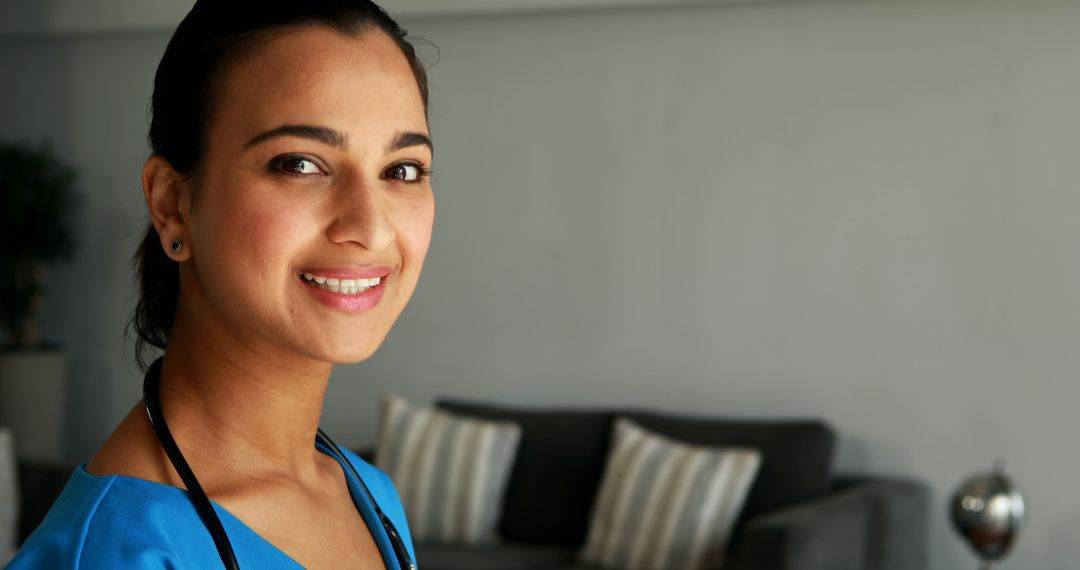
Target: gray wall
{"x": 860, "y": 211}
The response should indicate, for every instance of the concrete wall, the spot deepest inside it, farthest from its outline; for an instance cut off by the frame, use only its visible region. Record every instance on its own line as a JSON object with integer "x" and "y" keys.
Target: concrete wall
{"x": 24, "y": 18}
{"x": 860, "y": 211}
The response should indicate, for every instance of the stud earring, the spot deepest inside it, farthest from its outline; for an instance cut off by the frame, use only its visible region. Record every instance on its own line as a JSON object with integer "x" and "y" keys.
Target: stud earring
{"x": 177, "y": 246}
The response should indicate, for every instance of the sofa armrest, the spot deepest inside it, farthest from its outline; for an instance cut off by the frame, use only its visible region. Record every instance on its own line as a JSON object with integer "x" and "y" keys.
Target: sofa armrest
{"x": 866, "y": 524}
{"x": 40, "y": 483}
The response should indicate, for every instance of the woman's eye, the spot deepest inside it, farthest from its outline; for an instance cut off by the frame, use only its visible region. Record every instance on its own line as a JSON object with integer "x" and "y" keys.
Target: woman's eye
{"x": 406, "y": 172}
{"x": 297, "y": 165}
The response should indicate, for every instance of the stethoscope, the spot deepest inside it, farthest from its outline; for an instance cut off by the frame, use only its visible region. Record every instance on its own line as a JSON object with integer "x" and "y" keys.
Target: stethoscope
{"x": 202, "y": 502}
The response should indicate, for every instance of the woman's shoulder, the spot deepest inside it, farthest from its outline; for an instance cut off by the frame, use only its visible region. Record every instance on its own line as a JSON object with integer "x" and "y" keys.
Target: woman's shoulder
{"x": 377, "y": 481}
{"x": 372, "y": 475}
{"x": 385, "y": 494}
{"x": 112, "y": 521}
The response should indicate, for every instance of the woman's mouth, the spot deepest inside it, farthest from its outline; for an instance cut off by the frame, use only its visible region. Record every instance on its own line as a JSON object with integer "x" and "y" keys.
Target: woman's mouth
{"x": 344, "y": 294}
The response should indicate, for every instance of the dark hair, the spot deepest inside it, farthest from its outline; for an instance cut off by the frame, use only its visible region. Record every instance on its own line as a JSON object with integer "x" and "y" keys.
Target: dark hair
{"x": 205, "y": 42}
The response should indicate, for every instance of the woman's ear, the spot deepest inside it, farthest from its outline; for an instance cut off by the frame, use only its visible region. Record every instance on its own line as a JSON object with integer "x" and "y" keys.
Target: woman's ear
{"x": 169, "y": 203}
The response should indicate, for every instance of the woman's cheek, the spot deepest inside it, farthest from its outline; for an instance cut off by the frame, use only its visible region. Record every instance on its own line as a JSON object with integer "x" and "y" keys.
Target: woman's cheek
{"x": 263, "y": 241}
{"x": 421, "y": 224}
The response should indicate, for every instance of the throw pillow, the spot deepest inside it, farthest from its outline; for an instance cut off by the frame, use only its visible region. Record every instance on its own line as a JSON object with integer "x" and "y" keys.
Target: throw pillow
{"x": 665, "y": 504}
{"x": 450, "y": 471}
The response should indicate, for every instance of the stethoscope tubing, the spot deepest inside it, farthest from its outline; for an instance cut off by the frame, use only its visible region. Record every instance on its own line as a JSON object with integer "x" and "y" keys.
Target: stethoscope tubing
{"x": 195, "y": 491}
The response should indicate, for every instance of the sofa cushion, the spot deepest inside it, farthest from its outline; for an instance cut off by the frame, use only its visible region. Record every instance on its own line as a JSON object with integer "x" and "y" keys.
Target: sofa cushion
{"x": 498, "y": 557}
{"x": 796, "y": 456}
{"x": 556, "y": 474}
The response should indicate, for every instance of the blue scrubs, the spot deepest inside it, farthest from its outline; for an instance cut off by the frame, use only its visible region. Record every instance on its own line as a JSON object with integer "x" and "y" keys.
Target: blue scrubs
{"x": 116, "y": 521}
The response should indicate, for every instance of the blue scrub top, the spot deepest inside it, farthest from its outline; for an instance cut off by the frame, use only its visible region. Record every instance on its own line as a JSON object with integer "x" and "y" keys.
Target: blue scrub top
{"x": 117, "y": 521}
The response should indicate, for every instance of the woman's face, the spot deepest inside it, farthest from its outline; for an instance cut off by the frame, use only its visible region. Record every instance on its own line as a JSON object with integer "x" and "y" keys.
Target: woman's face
{"x": 315, "y": 170}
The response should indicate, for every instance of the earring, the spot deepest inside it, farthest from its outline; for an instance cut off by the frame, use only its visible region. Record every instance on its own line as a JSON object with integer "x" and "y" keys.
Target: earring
{"x": 177, "y": 246}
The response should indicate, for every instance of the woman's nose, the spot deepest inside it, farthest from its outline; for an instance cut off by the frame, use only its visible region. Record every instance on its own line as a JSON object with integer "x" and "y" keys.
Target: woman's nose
{"x": 361, "y": 214}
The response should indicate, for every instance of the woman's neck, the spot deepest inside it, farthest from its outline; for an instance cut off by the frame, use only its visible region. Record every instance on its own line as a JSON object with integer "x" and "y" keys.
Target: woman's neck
{"x": 240, "y": 410}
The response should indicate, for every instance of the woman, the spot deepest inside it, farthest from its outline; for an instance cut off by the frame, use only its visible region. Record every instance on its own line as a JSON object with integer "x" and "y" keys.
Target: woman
{"x": 291, "y": 212}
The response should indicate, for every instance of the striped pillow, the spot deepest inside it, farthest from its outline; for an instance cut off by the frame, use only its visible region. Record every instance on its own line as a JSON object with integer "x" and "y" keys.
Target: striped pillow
{"x": 664, "y": 504}
{"x": 450, "y": 471}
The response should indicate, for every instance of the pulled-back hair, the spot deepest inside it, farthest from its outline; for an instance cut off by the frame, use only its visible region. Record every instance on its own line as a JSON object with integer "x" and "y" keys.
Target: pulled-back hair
{"x": 214, "y": 32}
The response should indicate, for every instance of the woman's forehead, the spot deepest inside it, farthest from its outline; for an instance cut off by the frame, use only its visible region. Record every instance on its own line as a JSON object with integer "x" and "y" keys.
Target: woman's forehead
{"x": 316, "y": 75}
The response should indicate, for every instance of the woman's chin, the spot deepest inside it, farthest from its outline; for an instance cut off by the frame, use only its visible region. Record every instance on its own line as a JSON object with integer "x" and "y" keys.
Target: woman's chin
{"x": 349, "y": 354}
{"x": 352, "y": 359}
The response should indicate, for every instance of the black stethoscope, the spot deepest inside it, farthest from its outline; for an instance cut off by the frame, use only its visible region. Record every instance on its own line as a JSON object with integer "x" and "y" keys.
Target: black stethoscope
{"x": 202, "y": 502}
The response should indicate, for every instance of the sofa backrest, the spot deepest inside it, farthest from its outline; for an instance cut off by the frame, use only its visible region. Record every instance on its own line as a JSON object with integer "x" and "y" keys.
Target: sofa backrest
{"x": 560, "y": 461}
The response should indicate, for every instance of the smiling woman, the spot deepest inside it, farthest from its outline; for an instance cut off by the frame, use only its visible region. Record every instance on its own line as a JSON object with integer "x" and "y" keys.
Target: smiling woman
{"x": 291, "y": 211}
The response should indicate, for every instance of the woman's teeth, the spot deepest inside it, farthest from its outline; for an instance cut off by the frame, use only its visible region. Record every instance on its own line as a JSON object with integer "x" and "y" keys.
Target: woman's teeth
{"x": 344, "y": 286}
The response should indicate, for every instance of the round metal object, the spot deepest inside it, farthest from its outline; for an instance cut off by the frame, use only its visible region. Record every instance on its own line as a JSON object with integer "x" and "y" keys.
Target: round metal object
{"x": 988, "y": 512}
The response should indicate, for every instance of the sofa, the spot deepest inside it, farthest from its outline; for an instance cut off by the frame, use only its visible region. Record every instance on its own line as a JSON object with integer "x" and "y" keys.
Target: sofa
{"x": 798, "y": 514}
{"x": 39, "y": 485}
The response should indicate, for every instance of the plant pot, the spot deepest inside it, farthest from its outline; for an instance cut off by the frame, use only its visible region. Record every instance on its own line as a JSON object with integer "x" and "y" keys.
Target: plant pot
{"x": 32, "y": 392}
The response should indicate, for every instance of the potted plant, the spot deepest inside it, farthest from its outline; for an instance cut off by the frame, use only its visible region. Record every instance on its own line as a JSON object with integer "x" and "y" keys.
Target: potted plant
{"x": 38, "y": 204}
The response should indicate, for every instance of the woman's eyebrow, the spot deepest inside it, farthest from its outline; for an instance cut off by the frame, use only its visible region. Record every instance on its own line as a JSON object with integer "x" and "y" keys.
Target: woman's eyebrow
{"x": 337, "y": 139}
{"x": 316, "y": 133}
{"x": 407, "y": 139}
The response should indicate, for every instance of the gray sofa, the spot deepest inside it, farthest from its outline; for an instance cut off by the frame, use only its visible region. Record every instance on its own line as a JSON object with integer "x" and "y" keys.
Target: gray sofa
{"x": 798, "y": 515}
